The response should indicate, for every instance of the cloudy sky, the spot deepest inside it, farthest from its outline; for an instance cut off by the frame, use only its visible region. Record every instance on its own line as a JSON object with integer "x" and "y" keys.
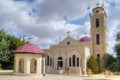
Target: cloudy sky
{"x": 49, "y": 20}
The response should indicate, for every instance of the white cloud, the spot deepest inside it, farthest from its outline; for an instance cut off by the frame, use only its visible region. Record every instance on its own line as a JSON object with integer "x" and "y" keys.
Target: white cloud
{"x": 47, "y": 23}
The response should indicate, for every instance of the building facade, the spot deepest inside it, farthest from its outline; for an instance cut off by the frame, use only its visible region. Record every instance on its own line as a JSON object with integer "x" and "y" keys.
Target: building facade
{"x": 69, "y": 53}
{"x": 75, "y": 53}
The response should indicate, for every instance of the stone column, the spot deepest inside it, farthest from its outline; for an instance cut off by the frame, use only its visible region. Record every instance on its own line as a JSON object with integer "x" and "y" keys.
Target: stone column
{"x": 39, "y": 62}
{"x": 66, "y": 63}
{"x": 80, "y": 71}
{"x": 27, "y": 65}
{"x": 16, "y": 65}
{"x": 84, "y": 66}
{"x": 43, "y": 65}
{"x": 53, "y": 62}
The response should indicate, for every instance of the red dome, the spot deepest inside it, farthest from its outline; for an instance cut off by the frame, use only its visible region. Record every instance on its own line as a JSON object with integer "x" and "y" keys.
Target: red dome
{"x": 85, "y": 39}
{"x": 29, "y": 48}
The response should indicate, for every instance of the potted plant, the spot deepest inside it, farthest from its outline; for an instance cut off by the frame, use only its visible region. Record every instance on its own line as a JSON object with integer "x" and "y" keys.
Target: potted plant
{"x": 89, "y": 72}
{"x": 68, "y": 71}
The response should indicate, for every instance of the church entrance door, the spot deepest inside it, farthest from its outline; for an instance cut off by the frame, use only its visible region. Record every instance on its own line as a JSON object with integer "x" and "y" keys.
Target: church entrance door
{"x": 60, "y": 62}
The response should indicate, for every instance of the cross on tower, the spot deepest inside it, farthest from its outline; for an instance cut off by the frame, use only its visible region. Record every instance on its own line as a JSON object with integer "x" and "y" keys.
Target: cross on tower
{"x": 30, "y": 38}
{"x": 68, "y": 33}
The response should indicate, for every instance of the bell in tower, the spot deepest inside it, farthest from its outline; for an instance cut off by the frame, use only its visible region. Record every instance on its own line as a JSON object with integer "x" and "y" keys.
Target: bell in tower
{"x": 99, "y": 32}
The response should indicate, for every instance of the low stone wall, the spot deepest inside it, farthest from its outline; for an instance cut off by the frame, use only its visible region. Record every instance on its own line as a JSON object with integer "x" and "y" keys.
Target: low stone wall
{"x": 6, "y": 71}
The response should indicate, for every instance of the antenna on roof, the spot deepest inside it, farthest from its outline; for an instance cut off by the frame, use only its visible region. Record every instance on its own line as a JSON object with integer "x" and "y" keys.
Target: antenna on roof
{"x": 98, "y": 3}
{"x": 88, "y": 8}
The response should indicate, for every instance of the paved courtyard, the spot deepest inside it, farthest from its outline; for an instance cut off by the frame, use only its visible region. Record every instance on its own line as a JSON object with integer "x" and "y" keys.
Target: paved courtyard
{"x": 57, "y": 77}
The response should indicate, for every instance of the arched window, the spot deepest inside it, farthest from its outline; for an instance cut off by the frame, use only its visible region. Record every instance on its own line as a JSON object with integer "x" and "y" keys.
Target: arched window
{"x": 47, "y": 60}
{"x": 69, "y": 61}
{"x": 21, "y": 65}
{"x": 98, "y": 56}
{"x": 97, "y": 39}
{"x": 74, "y": 60}
{"x": 77, "y": 61}
{"x": 60, "y": 62}
{"x": 33, "y": 65}
{"x": 60, "y": 58}
{"x": 50, "y": 61}
{"x": 97, "y": 23}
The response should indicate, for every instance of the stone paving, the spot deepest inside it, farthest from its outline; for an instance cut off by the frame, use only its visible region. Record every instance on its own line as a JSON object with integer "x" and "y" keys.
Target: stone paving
{"x": 57, "y": 77}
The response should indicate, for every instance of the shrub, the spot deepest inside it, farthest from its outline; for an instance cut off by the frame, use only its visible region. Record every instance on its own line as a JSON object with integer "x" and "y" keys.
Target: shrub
{"x": 0, "y": 65}
{"x": 93, "y": 64}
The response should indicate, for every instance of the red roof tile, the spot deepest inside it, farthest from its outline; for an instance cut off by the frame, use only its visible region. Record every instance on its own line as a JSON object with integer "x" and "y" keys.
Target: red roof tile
{"x": 29, "y": 48}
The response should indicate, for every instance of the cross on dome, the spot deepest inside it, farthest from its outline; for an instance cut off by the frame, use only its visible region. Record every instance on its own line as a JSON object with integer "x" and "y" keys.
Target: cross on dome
{"x": 85, "y": 33}
{"x": 30, "y": 38}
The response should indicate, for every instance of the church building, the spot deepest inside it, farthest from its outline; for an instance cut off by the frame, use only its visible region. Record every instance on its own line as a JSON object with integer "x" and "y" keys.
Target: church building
{"x": 73, "y": 54}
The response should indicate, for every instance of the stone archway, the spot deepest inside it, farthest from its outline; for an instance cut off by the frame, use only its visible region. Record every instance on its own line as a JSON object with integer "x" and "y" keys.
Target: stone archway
{"x": 33, "y": 65}
{"x": 21, "y": 65}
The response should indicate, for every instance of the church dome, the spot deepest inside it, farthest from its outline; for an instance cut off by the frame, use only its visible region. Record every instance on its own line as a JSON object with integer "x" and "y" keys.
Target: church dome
{"x": 85, "y": 39}
{"x": 29, "y": 48}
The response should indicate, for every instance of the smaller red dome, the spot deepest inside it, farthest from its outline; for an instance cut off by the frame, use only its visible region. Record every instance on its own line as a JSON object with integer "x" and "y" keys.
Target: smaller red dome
{"x": 29, "y": 48}
{"x": 85, "y": 39}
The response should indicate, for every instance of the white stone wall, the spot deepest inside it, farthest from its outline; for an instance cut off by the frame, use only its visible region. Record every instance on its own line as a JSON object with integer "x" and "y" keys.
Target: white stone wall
{"x": 27, "y": 59}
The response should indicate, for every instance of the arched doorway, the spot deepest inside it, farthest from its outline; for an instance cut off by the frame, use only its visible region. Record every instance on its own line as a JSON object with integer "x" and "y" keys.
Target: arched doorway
{"x": 33, "y": 65}
{"x": 60, "y": 62}
{"x": 21, "y": 65}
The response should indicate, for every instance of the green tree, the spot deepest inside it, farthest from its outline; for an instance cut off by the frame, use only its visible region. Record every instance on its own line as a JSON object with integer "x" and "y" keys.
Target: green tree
{"x": 115, "y": 66}
{"x": 117, "y": 49}
{"x": 14, "y": 44}
{"x": 108, "y": 62}
{"x": 93, "y": 64}
{"x": 4, "y": 47}
{"x": 117, "y": 46}
{"x": 111, "y": 63}
{"x": 100, "y": 65}
{"x": 8, "y": 44}
{"x": 118, "y": 36}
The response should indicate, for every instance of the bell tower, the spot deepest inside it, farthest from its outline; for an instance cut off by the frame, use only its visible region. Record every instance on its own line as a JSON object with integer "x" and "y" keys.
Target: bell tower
{"x": 99, "y": 32}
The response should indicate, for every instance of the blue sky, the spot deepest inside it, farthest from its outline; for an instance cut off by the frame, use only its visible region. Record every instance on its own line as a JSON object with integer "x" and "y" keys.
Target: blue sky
{"x": 25, "y": 0}
{"x": 49, "y": 20}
